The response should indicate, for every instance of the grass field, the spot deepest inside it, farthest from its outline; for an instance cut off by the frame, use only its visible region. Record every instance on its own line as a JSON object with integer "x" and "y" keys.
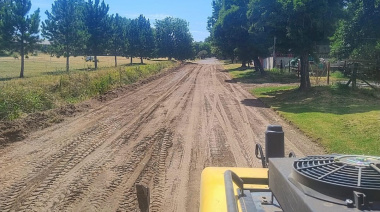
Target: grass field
{"x": 342, "y": 120}
{"x": 43, "y": 89}
{"x": 250, "y": 76}
{"x": 276, "y": 76}
{"x": 43, "y": 64}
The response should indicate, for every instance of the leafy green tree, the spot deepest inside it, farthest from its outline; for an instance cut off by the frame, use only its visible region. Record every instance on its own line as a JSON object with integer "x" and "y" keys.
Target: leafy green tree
{"x": 132, "y": 39}
{"x": 307, "y": 23}
{"x": 5, "y": 26}
{"x": 358, "y": 34}
{"x": 264, "y": 19}
{"x": 118, "y": 40}
{"x": 141, "y": 38}
{"x": 174, "y": 39}
{"x": 216, "y": 7}
{"x": 223, "y": 36}
{"x": 203, "y": 49}
{"x": 231, "y": 35}
{"x": 96, "y": 17}
{"x": 202, "y": 54}
{"x": 24, "y": 28}
{"x": 64, "y": 28}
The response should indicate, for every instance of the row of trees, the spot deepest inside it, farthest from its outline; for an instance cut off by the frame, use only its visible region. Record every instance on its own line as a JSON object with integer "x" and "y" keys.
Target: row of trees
{"x": 246, "y": 29}
{"x": 78, "y": 27}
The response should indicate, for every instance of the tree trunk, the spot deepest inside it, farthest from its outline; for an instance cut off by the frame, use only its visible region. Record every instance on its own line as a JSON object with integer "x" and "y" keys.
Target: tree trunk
{"x": 243, "y": 64}
{"x": 115, "y": 61}
{"x": 142, "y": 61}
{"x": 96, "y": 62}
{"x": 22, "y": 54}
{"x": 131, "y": 60}
{"x": 256, "y": 68}
{"x": 305, "y": 79}
{"x": 67, "y": 54}
{"x": 67, "y": 63}
{"x": 258, "y": 65}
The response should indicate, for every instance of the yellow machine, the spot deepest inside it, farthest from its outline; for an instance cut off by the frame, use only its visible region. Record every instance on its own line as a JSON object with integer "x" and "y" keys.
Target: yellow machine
{"x": 213, "y": 188}
{"x": 314, "y": 183}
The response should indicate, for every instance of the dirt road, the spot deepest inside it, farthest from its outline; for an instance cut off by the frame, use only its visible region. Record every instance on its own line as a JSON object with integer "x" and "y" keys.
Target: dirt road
{"x": 161, "y": 134}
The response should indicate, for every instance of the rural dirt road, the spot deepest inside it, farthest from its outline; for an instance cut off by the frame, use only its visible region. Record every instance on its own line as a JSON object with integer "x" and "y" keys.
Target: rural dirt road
{"x": 162, "y": 134}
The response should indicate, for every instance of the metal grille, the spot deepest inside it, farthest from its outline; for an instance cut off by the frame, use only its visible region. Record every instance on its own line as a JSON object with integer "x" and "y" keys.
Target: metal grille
{"x": 357, "y": 172}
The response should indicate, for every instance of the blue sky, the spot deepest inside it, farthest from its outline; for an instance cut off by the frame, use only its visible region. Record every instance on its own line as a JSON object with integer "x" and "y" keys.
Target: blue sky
{"x": 193, "y": 11}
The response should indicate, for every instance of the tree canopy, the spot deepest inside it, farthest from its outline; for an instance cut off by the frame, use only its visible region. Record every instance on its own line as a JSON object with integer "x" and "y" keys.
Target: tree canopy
{"x": 6, "y": 25}
{"x": 118, "y": 39}
{"x": 230, "y": 29}
{"x": 141, "y": 38}
{"x": 174, "y": 39}
{"x": 96, "y": 17}
{"x": 358, "y": 33}
{"x": 65, "y": 29}
{"x": 246, "y": 29}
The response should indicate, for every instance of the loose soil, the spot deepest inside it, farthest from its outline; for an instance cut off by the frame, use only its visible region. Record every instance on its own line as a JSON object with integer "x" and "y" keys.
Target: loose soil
{"x": 161, "y": 133}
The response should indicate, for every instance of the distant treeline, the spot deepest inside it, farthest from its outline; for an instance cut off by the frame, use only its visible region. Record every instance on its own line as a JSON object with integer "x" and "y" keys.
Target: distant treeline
{"x": 78, "y": 27}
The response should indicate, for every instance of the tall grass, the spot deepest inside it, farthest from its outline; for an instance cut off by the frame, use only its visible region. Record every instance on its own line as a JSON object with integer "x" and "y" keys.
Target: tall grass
{"x": 22, "y": 96}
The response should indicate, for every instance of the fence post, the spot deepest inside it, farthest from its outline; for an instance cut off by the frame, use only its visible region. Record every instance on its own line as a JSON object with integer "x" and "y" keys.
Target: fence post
{"x": 328, "y": 73}
{"x": 354, "y": 73}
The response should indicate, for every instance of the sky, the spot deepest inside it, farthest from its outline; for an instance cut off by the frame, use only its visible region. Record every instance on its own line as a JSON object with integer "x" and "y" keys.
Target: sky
{"x": 193, "y": 11}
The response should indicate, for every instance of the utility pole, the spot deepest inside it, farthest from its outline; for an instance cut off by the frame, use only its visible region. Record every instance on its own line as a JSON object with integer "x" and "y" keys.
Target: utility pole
{"x": 274, "y": 52}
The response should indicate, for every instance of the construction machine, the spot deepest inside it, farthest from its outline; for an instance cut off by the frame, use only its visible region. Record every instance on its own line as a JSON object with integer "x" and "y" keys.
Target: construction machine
{"x": 313, "y": 183}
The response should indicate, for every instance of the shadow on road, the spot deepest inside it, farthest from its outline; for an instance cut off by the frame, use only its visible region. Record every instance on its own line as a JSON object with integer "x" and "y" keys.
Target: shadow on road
{"x": 254, "y": 103}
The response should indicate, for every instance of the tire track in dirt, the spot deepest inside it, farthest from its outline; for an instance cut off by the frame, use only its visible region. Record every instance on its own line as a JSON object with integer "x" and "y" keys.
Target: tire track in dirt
{"x": 59, "y": 168}
{"x": 160, "y": 134}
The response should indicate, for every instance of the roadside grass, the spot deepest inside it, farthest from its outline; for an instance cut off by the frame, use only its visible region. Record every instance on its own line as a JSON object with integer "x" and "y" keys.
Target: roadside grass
{"x": 43, "y": 92}
{"x": 342, "y": 120}
{"x": 251, "y": 76}
{"x": 276, "y": 76}
{"x": 44, "y": 64}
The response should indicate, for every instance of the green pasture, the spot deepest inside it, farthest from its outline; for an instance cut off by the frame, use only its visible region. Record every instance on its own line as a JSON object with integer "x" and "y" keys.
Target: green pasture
{"x": 44, "y": 64}
{"x": 341, "y": 119}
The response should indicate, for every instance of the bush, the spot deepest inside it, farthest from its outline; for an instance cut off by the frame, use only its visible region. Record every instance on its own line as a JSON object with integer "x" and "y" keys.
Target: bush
{"x": 16, "y": 100}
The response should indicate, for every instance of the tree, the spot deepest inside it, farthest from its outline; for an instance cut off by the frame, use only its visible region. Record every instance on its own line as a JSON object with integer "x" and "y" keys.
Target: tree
{"x": 307, "y": 23}
{"x": 64, "y": 28}
{"x": 118, "y": 40}
{"x": 230, "y": 30}
{"x": 216, "y": 7}
{"x": 358, "y": 34}
{"x": 203, "y": 49}
{"x": 202, "y": 54}
{"x": 264, "y": 19}
{"x": 141, "y": 38}
{"x": 174, "y": 39}
{"x": 24, "y": 28}
{"x": 5, "y": 25}
{"x": 96, "y": 16}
